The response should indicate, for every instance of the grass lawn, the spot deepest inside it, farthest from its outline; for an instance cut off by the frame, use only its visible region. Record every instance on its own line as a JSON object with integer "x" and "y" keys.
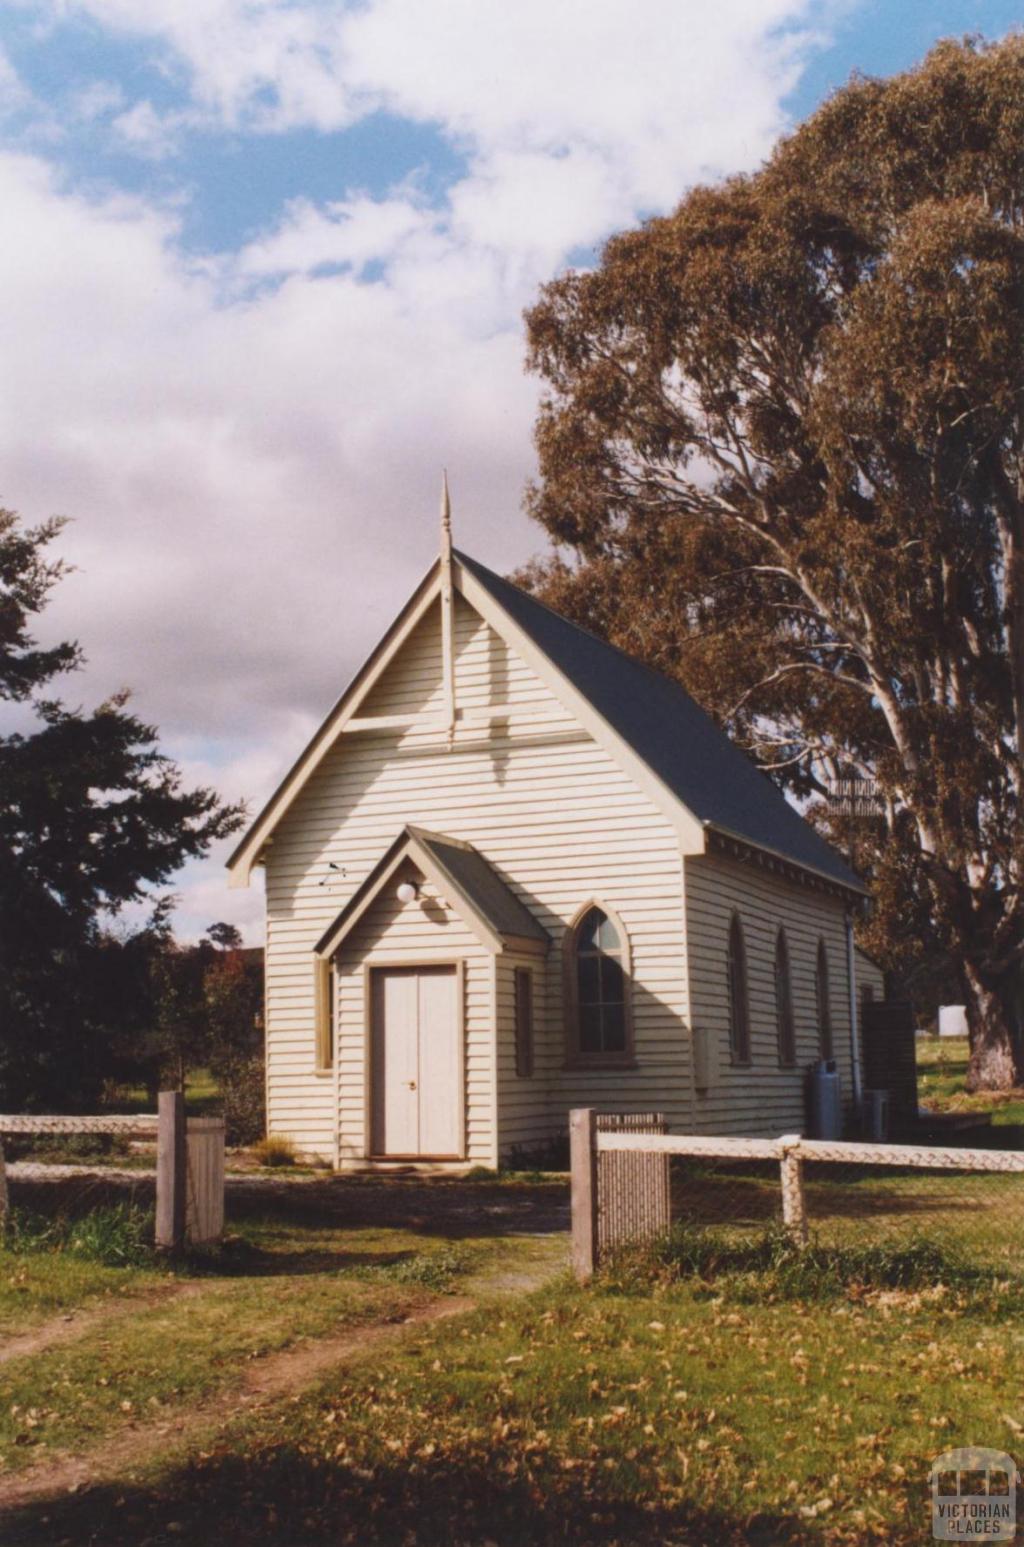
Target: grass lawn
{"x": 974, "y": 1214}
{"x": 637, "y": 1414}
{"x": 941, "y": 1074}
{"x": 35, "y": 1286}
{"x": 202, "y": 1096}
{"x": 186, "y": 1332}
{"x": 728, "y": 1393}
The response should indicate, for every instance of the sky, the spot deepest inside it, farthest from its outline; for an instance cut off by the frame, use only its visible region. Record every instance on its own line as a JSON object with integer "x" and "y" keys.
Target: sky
{"x": 263, "y": 275}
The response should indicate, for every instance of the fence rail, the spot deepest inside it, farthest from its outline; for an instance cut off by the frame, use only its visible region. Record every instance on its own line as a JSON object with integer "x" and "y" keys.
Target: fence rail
{"x": 141, "y": 1125}
{"x": 925, "y": 1156}
{"x": 189, "y": 1163}
{"x": 606, "y": 1214}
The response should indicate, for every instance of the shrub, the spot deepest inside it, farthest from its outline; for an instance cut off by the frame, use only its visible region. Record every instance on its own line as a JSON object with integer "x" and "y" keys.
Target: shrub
{"x": 66, "y": 1148}
{"x": 243, "y": 1084}
{"x": 275, "y": 1150}
{"x": 119, "y": 1235}
{"x": 551, "y": 1155}
{"x": 769, "y": 1265}
{"x": 436, "y": 1271}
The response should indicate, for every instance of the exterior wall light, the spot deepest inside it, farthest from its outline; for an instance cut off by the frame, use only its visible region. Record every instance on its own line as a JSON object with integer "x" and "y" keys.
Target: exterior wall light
{"x": 408, "y": 891}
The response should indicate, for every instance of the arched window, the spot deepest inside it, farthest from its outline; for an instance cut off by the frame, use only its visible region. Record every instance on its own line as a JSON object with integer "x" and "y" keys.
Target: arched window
{"x": 823, "y": 1002}
{"x": 597, "y": 982}
{"x": 784, "y": 1027}
{"x": 739, "y": 1006}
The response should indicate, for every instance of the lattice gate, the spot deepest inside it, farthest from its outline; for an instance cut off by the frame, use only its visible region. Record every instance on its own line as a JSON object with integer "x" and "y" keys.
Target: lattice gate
{"x": 632, "y": 1187}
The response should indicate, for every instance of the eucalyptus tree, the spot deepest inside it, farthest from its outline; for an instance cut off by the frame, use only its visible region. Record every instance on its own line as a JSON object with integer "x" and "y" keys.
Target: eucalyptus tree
{"x": 782, "y": 457}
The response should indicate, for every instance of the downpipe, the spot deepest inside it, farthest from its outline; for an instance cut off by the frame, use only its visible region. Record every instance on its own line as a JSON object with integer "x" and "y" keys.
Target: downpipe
{"x": 851, "y": 979}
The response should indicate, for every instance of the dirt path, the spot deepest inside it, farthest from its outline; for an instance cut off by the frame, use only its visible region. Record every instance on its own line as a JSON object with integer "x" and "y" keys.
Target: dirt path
{"x": 71, "y": 1325}
{"x": 266, "y": 1380}
{"x": 278, "y": 1375}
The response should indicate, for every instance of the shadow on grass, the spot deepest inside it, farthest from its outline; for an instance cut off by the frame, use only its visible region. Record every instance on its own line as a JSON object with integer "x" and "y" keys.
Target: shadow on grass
{"x": 279, "y": 1495}
{"x": 431, "y": 1205}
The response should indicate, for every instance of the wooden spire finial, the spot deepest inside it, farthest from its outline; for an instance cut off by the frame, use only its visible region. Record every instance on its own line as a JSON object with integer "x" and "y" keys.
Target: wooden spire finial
{"x": 447, "y": 611}
{"x": 446, "y": 517}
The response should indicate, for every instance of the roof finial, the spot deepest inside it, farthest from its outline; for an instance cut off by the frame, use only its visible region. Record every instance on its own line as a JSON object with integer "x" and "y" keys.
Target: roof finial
{"x": 446, "y": 517}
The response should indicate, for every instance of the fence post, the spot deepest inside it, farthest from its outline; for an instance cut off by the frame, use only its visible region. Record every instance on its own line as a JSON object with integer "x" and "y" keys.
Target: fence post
{"x": 171, "y": 1171}
{"x": 794, "y": 1213}
{"x": 3, "y": 1190}
{"x": 583, "y": 1169}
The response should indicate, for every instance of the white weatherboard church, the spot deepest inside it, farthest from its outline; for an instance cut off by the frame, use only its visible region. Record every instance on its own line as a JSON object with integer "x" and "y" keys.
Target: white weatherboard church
{"x": 514, "y": 872}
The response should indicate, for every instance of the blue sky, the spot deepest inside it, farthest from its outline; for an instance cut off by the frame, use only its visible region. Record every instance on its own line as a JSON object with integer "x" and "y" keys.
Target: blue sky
{"x": 268, "y": 266}
{"x": 234, "y": 183}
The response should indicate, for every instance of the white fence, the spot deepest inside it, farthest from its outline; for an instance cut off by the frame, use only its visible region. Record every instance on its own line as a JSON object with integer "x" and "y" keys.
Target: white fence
{"x": 189, "y": 1163}
{"x": 597, "y": 1229}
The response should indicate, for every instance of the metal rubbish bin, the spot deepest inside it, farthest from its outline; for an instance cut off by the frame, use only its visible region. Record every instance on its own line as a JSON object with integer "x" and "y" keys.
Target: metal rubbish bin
{"x": 875, "y": 1115}
{"x": 825, "y": 1119}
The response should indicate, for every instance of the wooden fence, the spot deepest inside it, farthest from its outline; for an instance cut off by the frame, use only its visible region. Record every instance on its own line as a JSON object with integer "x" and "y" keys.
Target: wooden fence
{"x": 599, "y": 1225}
{"x": 189, "y": 1164}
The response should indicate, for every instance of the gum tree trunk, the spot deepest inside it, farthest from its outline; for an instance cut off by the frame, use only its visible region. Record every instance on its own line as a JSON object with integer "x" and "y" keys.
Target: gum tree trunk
{"x": 993, "y": 1020}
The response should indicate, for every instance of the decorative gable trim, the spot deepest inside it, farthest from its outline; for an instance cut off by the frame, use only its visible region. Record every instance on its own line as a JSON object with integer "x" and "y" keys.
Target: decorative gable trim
{"x": 506, "y": 924}
{"x": 695, "y": 836}
{"x": 344, "y": 717}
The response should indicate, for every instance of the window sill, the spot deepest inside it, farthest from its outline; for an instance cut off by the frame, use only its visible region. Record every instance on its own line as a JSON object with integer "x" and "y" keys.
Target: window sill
{"x": 323, "y": 1074}
{"x": 597, "y": 1065}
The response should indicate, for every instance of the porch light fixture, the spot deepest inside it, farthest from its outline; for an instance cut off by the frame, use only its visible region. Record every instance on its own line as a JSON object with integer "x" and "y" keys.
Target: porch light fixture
{"x": 408, "y": 891}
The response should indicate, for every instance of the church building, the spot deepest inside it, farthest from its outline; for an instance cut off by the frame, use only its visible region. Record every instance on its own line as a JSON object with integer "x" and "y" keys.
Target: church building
{"x": 516, "y": 871}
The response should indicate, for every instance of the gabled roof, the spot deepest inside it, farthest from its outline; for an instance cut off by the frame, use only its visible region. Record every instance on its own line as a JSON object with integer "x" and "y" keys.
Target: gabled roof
{"x": 677, "y": 740}
{"x": 464, "y": 878}
{"x": 660, "y": 736}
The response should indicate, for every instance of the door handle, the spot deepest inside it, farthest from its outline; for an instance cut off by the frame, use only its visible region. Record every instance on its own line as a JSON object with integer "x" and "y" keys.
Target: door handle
{"x": 412, "y": 1084}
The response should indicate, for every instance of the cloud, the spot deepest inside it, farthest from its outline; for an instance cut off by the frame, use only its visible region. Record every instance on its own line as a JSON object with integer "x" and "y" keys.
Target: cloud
{"x": 348, "y": 233}
{"x": 250, "y": 442}
{"x": 14, "y": 94}
{"x": 97, "y": 100}
{"x": 150, "y": 133}
{"x": 268, "y": 64}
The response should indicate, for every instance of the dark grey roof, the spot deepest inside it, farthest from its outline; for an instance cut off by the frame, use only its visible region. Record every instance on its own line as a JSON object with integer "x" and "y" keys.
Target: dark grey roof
{"x": 466, "y": 873}
{"x": 481, "y": 886}
{"x": 671, "y": 733}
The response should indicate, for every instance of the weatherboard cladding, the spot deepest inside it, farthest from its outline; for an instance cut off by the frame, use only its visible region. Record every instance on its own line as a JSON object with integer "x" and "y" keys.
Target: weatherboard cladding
{"x": 663, "y": 725}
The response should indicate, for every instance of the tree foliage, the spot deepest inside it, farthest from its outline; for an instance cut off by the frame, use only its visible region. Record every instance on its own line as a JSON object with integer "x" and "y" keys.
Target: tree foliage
{"x": 783, "y": 446}
{"x": 203, "y": 1009}
{"x": 93, "y": 818}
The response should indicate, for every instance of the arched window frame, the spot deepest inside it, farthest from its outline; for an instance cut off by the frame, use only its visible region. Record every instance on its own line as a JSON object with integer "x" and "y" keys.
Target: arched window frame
{"x": 325, "y": 1012}
{"x": 785, "y": 1024}
{"x": 738, "y": 991}
{"x": 823, "y": 1001}
{"x": 575, "y": 1056}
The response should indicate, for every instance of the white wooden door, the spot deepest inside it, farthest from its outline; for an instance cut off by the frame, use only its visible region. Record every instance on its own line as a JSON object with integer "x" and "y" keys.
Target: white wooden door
{"x": 416, "y": 1074}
